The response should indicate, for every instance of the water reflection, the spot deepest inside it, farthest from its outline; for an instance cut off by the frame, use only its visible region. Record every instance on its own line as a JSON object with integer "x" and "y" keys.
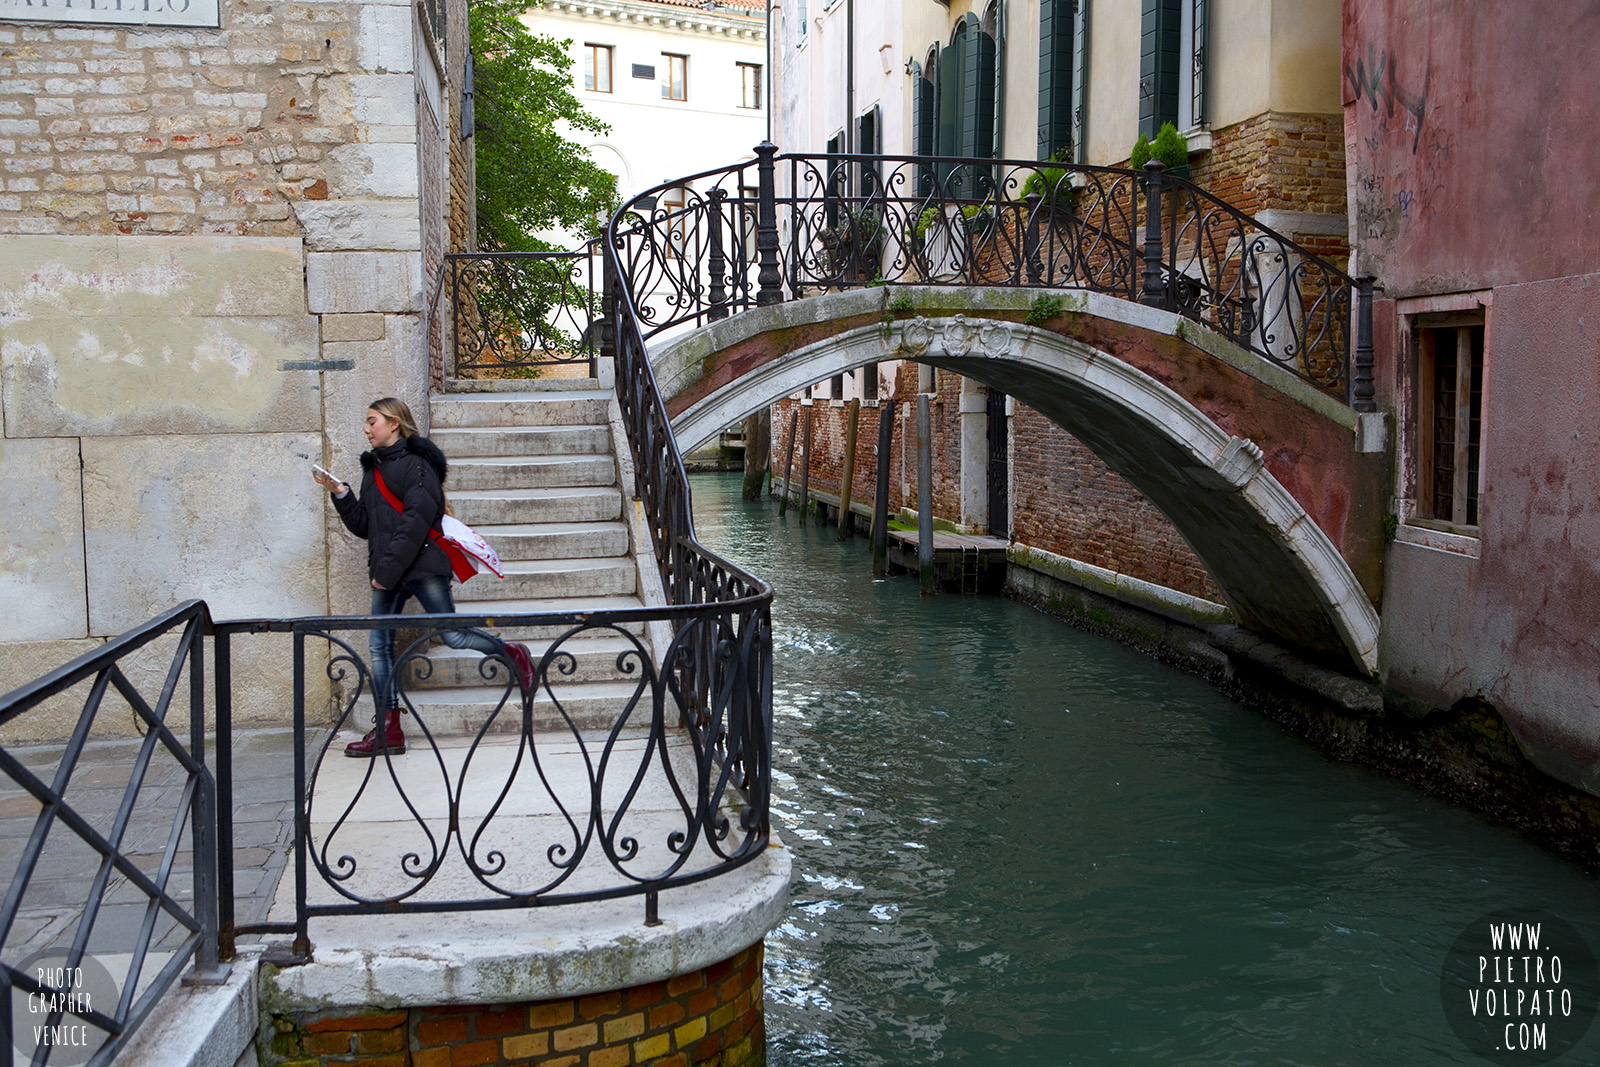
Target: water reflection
{"x": 1020, "y": 844}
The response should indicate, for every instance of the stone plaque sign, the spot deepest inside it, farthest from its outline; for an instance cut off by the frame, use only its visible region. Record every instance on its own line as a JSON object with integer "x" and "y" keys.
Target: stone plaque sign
{"x": 202, "y": 13}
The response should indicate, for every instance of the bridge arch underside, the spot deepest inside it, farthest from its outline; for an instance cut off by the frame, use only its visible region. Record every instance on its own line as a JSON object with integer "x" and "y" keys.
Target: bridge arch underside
{"x": 1279, "y": 572}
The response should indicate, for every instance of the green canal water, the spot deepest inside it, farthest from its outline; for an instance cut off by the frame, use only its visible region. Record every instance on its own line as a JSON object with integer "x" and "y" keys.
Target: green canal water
{"x": 1016, "y": 843}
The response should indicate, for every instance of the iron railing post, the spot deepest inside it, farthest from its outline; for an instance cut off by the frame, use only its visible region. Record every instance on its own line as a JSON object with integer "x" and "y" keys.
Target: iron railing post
{"x": 608, "y": 307}
{"x": 1032, "y": 263}
{"x": 1362, "y": 397}
{"x": 302, "y": 818}
{"x": 223, "y": 684}
{"x": 769, "y": 278}
{"x": 716, "y": 263}
{"x": 1154, "y": 288}
{"x": 203, "y": 823}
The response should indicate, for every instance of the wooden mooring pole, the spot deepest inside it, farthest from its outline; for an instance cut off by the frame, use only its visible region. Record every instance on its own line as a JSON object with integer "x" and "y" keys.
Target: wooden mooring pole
{"x": 805, "y": 468}
{"x": 788, "y": 460}
{"x": 852, "y": 422}
{"x": 925, "y": 572}
{"x": 880, "y": 499}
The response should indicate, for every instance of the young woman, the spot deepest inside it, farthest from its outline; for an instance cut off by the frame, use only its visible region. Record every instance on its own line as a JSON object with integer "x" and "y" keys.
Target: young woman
{"x": 402, "y": 559}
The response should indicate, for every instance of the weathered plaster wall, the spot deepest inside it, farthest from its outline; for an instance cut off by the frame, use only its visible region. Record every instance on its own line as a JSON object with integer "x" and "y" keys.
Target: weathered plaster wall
{"x": 1517, "y": 626}
{"x": 1470, "y": 136}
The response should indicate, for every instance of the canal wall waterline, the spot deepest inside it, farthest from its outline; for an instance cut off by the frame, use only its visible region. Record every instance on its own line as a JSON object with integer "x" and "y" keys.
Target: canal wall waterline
{"x": 1466, "y": 754}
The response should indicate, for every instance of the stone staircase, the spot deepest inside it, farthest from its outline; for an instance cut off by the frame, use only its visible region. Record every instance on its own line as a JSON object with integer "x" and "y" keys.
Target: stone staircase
{"x": 536, "y": 472}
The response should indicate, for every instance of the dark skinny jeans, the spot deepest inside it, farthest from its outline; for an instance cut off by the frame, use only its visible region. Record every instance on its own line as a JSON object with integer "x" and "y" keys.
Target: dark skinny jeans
{"x": 433, "y": 593}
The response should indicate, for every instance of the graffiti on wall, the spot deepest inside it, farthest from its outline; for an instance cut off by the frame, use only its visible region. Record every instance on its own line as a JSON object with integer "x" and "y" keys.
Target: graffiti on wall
{"x": 1373, "y": 78}
{"x": 1391, "y": 197}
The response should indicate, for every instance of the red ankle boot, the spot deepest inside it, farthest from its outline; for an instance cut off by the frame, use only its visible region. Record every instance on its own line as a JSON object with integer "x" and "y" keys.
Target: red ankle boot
{"x": 393, "y": 740}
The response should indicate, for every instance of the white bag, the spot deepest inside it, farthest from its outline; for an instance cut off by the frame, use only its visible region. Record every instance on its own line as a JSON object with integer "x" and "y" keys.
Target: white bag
{"x": 471, "y": 543}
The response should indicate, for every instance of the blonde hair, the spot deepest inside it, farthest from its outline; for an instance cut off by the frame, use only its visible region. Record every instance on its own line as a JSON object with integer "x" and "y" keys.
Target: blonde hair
{"x": 392, "y": 408}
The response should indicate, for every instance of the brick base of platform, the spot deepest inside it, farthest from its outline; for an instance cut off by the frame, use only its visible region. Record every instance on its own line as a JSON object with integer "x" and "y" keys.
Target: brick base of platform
{"x": 706, "y": 1018}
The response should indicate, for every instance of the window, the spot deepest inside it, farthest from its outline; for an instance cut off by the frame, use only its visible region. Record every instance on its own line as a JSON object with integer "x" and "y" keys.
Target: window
{"x": 670, "y": 209}
{"x": 1172, "y": 64}
{"x": 1063, "y": 70}
{"x": 597, "y": 67}
{"x": 750, "y": 85}
{"x": 674, "y": 77}
{"x": 1450, "y": 417}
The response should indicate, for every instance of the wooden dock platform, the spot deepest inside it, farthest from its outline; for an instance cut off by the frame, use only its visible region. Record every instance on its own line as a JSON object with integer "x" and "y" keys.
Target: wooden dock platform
{"x": 965, "y": 563}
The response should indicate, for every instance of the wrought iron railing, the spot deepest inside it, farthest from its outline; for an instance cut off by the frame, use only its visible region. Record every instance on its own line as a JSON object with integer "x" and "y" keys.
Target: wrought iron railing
{"x": 694, "y": 729}
{"x": 184, "y": 918}
{"x": 693, "y": 250}
{"x": 522, "y": 312}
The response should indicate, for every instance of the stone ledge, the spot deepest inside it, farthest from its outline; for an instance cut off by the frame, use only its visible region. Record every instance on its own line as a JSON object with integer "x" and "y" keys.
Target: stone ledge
{"x": 509, "y": 956}
{"x": 201, "y": 1025}
{"x": 1148, "y": 596}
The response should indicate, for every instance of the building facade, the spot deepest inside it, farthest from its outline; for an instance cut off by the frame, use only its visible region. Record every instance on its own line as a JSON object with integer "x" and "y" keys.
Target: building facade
{"x": 1254, "y": 87}
{"x": 1473, "y": 199}
{"x": 682, "y": 85}
{"x": 219, "y": 241}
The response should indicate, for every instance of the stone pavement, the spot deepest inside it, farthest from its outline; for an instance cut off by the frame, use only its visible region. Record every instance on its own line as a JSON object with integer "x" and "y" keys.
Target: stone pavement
{"x": 61, "y": 882}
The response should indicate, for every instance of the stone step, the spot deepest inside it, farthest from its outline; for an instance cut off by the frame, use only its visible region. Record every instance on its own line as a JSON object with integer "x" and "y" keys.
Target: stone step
{"x": 594, "y": 659}
{"x": 541, "y": 384}
{"x": 532, "y": 472}
{"x": 523, "y": 441}
{"x": 590, "y": 706}
{"x": 495, "y": 507}
{"x": 543, "y": 579}
{"x": 557, "y": 540}
{"x": 580, "y": 605}
{"x": 578, "y": 407}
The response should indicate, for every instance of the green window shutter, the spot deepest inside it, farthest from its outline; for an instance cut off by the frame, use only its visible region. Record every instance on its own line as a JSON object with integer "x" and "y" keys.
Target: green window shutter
{"x": 1197, "y": 83}
{"x": 1057, "y": 21}
{"x": 952, "y": 61}
{"x": 923, "y": 122}
{"x": 1080, "y": 83}
{"x": 1161, "y": 28}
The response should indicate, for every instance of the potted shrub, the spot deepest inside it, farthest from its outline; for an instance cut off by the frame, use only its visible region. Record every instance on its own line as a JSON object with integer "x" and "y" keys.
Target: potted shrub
{"x": 1169, "y": 147}
{"x": 1051, "y": 184}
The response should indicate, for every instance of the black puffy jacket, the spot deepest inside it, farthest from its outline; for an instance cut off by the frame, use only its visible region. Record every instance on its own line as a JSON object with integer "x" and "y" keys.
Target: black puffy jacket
{"x": 398, "y": 545}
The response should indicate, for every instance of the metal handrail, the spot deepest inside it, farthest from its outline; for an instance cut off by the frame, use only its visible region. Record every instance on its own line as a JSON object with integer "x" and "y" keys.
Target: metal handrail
{"x": 197, "y": 806}
{"x": 845, "y": 221}
{"x": 515, "y": 311}
{"x": 714, "y": 677}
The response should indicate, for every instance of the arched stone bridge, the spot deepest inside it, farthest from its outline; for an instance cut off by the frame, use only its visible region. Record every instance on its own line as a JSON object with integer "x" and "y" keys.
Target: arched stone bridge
{"x": 1278, "y": 487}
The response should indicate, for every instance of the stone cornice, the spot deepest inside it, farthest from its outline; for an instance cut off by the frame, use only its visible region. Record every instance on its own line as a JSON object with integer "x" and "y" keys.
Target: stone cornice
{"x": 662, "y": 16}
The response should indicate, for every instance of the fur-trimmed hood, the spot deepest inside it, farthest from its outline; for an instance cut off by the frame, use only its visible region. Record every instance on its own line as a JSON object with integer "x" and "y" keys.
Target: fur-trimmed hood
{"x": 417, "y": 445}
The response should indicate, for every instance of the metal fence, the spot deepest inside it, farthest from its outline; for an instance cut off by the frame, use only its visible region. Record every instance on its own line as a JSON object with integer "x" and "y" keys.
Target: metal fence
{"x": 521, "y": 312}
{"x": 539, "y": 805}
{"x": 694, "y": 250}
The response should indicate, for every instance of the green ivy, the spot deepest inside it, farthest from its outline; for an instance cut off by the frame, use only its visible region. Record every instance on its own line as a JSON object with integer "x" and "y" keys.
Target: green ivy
{"x": 530, "y": 176}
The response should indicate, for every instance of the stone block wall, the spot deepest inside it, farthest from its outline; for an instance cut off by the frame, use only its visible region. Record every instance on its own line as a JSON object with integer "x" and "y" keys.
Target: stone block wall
{"x": 210, "y": 263}
{"x": 705, "y": 1018}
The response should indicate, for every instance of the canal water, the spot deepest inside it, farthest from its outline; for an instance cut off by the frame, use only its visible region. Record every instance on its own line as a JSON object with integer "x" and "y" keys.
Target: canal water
{"x": 1016, "y": 843}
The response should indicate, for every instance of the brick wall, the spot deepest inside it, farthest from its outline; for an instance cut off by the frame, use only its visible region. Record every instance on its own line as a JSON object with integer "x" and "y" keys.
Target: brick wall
{"x": 1067, "y": 501}
{"x": 706, "y": 1018}
{"x": 106, "y": 130}
{"x": 1279, "y": 161}
{"x": 1064, "y": 499}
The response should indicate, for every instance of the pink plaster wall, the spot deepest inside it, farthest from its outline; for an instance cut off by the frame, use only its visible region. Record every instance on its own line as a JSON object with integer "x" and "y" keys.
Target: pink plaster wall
{"x": 1471, "y": 140}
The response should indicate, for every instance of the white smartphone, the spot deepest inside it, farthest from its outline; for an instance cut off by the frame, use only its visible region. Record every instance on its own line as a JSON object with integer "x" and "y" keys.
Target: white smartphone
{"x": 330, "y": 474}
